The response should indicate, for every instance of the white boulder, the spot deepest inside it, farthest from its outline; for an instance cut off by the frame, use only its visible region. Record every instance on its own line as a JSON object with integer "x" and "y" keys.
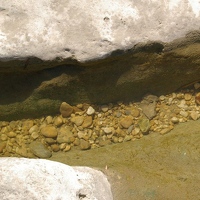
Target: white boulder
{"x": 85, "y": 30}
{"x": 36, "y": 179}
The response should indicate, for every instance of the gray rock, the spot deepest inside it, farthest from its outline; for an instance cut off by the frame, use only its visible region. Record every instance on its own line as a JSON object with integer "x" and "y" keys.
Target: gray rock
{"x": 42, "y": 179}
{"x": 39, "y": 150}
{"x": 148, "y": 106}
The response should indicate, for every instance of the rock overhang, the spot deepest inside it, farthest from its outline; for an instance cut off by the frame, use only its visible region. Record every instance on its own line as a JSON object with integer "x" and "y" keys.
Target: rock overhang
{"x": 63, "y": 29}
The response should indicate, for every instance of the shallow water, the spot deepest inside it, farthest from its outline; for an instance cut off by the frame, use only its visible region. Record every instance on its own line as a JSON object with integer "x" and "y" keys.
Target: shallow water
{"x": 154, "y": 167}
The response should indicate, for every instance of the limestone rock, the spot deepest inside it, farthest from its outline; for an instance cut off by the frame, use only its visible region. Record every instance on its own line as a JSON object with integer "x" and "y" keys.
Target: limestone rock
{"x": 65, "y": 109}
{"x": 38, "y": 149}
{"x": 24, "y": 179}
{"x": 94, "y": 33}
{"x": 105, "y": 54}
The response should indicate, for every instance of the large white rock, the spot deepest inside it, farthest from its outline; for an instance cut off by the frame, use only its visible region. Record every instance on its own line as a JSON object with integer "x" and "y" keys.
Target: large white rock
{"x": 86, "y": 30}
{"x": 36, "y": 179}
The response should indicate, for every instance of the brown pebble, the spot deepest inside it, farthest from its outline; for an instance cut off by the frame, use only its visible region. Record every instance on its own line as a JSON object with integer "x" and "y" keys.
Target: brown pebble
{"x": 84, "y": 145}
{"x": 126, "y": 122}
{"x": 55, "y": 147}
{"x": 65, "y": 109}
{"x": 2, "y": 146}
{"x": 58, "y": 121}
{"x": 87, "y": 122}
{"x": 197, "y": 98}
{"x": 187, "y": 96}
{"x": 49, "y": 131}
{"x": 67, "y": 148}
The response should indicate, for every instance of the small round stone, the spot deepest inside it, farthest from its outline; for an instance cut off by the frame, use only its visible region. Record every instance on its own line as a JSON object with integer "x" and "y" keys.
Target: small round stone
{"x": 126, "y": 122}
{"x": 104, "y": 108}
{"x": 90, "y": 110}
{"x": 55, "y": 147}
{"x": 49, "y": 119}
{"x": 162, "y": 98}
{"x": 11, "y": 134}
{"x": 58, "y": 121}
{"x": 84, "y": 145}
{"x": 187, "y": 96}
{"x": 49, "y": 131}
{"x": 175, "y": 120}
{"x": 184, "y": 113}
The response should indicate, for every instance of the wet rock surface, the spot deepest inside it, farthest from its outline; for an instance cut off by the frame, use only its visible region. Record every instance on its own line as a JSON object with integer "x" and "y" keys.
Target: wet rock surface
{"x": 144, "y": 158}
{"x": 155, "y": 167}
{"x": 105, "y": 125}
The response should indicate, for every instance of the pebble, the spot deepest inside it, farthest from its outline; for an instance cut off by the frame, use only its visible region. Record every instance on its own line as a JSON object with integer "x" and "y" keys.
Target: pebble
{"x": 65, "y": 109}
{"x": 104, "y": 108}
{"x": 184, "y": 113}
{"x": 34, "y": 135}
{"x": 84, "y": 145}
{"x": 135, "y": 112}
{"x": 39, "y": 150}
{"x": 49, "y": 131}
{"x": 78, "y": 120}
{"x": 55, "y": 147}
{"x": 108, "y": 130}
{"x": 187, "y": 96}
{"x": 197, "y": 98}
{"x": 90, "y": 110}
{"x": 149, "y": 109}
{"x": 67, "y": 148}
{"x": 144, "y": 125}
{"x": 2, "y": 146}
{"x": 33, "y": 129}
{"x": 175, "y": 120}
{"x": 11, "y": 134}
{"x": 86, "y": 128}
{"x": 65, "y": 135}
{"x": 49, "y": 119}
{"x": 194, "y": 115}
{"x": 87, "y": 122}
{"x": 126, "y": 122}
{"x": 58, "y": 121}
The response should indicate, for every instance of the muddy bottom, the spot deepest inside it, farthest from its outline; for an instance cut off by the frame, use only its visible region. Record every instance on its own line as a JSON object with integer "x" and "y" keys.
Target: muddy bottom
{"x": 158, "y": 167}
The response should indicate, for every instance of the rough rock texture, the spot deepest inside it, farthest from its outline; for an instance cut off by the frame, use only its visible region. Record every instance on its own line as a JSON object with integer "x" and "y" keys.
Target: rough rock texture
{"x": 54, "y": 51}
{"x": 42, "y": 179}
